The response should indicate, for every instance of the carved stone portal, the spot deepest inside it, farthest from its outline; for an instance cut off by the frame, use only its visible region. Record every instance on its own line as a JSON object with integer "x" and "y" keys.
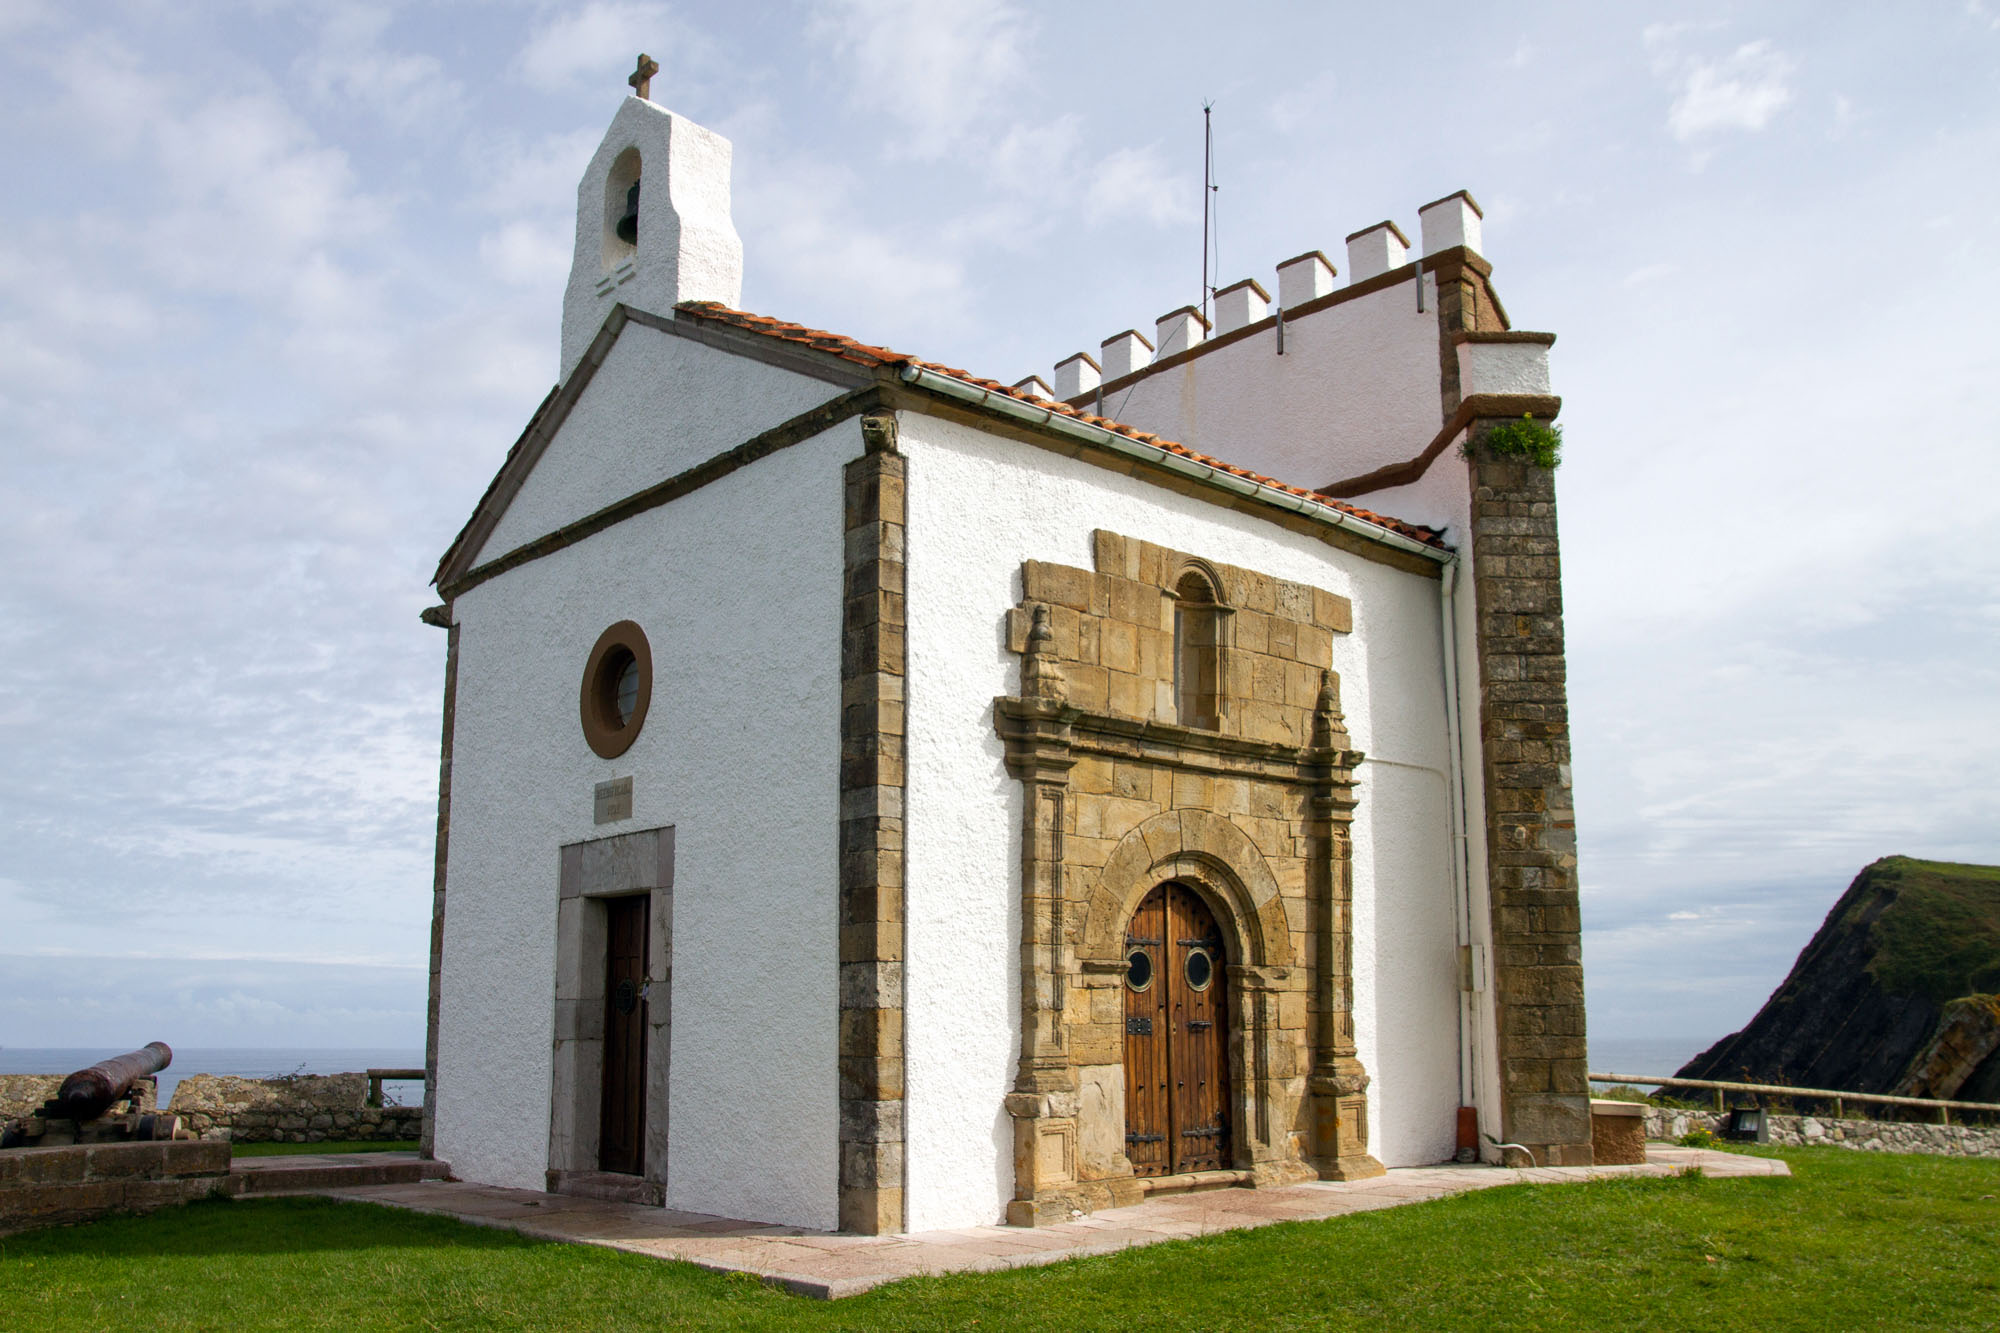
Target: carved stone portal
{"x": 1250, "y": 809}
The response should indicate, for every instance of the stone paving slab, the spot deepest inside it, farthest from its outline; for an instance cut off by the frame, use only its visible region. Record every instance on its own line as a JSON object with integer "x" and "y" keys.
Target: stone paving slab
{"x": 830, "y": 1265}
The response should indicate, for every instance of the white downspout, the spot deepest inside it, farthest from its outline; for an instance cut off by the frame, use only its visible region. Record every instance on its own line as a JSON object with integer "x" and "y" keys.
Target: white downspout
{"x": 1461, "y": 866}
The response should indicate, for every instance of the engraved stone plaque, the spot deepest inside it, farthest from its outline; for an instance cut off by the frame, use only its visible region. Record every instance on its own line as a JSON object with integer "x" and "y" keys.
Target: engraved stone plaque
{"x": 614, "y": 800}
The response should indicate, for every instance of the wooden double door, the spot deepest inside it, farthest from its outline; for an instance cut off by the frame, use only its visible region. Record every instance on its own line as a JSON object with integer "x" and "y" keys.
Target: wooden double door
{"x": 1176, "y": 1036}
{"x": 621, "y": 1120}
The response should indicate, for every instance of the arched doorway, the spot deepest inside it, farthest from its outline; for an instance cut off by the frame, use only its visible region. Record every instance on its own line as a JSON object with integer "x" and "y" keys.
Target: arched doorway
{"x": 1176, "y": 1036}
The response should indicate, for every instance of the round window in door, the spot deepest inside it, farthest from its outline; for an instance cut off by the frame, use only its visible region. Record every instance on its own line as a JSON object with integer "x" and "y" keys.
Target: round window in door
{"x": 1200, "y": 968}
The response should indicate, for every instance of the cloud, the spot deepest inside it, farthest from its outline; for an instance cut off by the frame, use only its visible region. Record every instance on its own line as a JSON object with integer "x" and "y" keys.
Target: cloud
{"x": 604, "y": 38}
{"x": 406, "y": 90}
{"x": 939, "y": 70}
{"x": 1740, "y": 91}
{"x": 816, "y": 235}
{"x": 1135, "y": 182}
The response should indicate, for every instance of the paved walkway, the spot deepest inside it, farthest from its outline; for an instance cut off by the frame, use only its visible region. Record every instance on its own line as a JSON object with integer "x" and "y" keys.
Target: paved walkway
{"x": 823, "y": 1264}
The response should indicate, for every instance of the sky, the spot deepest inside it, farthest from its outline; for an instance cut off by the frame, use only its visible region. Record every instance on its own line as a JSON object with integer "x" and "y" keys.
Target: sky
{"x": 280, "y": 282}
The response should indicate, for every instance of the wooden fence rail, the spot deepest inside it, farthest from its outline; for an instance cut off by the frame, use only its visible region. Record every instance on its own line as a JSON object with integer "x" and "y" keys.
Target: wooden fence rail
{"x": 1722, "y": 1089}
{"x": 377, "y": 1076}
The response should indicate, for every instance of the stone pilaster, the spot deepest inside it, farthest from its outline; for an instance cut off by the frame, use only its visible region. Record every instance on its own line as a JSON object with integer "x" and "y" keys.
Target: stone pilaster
{"x": 1339, "y": 1082}
{"x": 1530, "y": 818}
{"x": 871, "y": 838}
{"x": 1044, "y": 1101}
{"x": 439, "y": 616}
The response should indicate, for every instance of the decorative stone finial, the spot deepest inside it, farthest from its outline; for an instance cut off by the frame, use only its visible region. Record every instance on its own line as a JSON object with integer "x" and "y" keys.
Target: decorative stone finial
{"x": 642, "y": 77}
{"x": 1329, "y": 723}
{"x": 1041, "y": 677}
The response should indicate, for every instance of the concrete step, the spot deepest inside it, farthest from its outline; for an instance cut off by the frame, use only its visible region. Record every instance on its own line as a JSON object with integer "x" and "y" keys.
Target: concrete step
{"x": 310, "y": 1173}
{"x": 609, "y": 1186}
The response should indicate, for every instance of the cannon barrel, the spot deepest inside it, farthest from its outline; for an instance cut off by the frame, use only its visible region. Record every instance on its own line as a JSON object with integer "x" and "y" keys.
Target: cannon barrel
{"x": 89, "y": 1093}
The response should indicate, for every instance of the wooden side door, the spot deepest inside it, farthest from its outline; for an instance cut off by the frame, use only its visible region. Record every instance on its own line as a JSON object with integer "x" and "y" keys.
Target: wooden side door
{"x": 1148, "y": 1080}
{"x": 1176, "y": 1036}
{"x": 1199, "y": 1053}
{"x": 622, "y": 1115}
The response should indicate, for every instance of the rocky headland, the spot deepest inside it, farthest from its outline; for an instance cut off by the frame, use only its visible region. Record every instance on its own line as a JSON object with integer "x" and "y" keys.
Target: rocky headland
{"x": 1898, "y": 992}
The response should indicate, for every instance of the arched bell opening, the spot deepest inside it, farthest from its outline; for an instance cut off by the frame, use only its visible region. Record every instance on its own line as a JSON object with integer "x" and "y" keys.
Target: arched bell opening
{"x": 1182, "y": 1059}
{"x": 621, "y": 209}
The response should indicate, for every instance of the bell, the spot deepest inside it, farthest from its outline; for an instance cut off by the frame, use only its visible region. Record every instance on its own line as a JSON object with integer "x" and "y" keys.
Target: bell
{"x": 628, "y": 226}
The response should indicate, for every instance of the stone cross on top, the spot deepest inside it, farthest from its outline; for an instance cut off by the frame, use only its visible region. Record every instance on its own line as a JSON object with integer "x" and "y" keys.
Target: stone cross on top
{"x": 642, "y": 77}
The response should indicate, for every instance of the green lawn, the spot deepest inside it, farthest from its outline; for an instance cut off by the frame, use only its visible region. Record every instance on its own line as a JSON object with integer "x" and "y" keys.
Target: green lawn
{"x": 343, "y": 1145}
{"x": 1854, "y": 1241}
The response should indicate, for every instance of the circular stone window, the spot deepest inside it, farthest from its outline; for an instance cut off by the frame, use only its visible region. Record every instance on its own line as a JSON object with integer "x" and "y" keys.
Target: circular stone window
{"x": 617, "y": 688}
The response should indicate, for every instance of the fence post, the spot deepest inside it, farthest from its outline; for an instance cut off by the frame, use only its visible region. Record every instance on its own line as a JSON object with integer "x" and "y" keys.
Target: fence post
{"x": 1719, "y": 1107}
{"x": 1838, "y": 1112}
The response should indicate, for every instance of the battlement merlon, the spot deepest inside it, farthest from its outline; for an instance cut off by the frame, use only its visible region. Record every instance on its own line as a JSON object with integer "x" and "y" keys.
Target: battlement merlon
{"x": 1337, "y": 382}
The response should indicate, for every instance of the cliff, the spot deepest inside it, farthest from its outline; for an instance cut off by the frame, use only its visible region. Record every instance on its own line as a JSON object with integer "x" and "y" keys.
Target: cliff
{"x": 1866, "y": 1003}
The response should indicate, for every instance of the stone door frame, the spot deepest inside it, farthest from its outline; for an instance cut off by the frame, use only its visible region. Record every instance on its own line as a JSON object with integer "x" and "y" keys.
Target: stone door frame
{"x": 625, "y": 865}
{"x": 1298, "y": 1086}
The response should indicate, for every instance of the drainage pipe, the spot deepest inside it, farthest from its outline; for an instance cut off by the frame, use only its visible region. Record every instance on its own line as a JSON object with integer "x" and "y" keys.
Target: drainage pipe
{"x": 1460, "y": 852}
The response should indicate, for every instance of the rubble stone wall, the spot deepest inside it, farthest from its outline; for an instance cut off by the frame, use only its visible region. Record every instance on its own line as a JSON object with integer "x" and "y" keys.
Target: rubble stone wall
{"x": 23, "y": 1094}
{"x": 1866, "y": 1135}
{"x": 305, "y": 1108}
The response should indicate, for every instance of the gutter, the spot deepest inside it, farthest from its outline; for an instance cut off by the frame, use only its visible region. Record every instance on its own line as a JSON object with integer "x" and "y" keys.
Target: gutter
{"x": 1007, "y": 405}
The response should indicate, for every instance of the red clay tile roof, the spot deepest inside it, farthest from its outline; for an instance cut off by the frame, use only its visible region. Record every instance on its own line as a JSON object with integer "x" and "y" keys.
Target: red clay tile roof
{"x": 864, "y": 354}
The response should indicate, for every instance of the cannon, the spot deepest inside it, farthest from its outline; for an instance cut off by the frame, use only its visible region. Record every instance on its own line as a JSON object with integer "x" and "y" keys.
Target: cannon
{"x": 86, "y": 1098}
{"x": 89, "y": 1093}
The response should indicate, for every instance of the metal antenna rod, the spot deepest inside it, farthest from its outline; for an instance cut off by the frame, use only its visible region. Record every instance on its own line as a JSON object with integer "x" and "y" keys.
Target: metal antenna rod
{"x": 1207, "y": 189}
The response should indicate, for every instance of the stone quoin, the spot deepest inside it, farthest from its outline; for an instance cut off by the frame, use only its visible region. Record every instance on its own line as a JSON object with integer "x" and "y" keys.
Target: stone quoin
{"x": 874, "y": 797}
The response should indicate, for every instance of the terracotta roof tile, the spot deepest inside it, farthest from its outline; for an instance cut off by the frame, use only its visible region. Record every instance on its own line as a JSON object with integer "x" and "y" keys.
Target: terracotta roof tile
{"x": 866, "y": 354}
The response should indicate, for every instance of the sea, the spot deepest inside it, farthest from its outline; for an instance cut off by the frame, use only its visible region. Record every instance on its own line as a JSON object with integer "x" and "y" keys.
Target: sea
{"x": 241, "y": 1061}
{"x": 1662, "y": 1056}
{"x": 1608, "y": 1055}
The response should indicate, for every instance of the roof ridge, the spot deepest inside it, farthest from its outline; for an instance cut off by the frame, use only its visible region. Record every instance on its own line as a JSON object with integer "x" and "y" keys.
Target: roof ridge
{"x": 868, "y": 354}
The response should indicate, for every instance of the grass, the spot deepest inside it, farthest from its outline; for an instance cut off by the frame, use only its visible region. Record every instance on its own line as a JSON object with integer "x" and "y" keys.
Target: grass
{"x": 1855, "y": 1240}
{"x": 343, "y": 1145}
{"x": 1943, "y": 937}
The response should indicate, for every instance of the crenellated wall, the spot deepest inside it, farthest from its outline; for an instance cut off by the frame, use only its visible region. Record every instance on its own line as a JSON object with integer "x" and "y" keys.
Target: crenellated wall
{"x": 1334, "y": 379}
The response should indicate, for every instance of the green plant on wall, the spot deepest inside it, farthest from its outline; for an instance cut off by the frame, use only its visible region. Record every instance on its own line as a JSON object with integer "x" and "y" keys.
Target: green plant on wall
{"x": 1527, "y": 439}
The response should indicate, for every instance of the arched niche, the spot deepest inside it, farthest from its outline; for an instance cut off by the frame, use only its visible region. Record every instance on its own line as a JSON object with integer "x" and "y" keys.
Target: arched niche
{"x": 1203, "y": 850}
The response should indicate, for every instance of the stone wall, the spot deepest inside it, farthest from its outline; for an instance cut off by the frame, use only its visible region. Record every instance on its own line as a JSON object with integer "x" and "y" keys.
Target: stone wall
{"x": 1865, "y": 1135}
{"x": 1530, "y": 817}
{"x": 48, "y": 1186}
{"x": 23, "y": 1094}
{"x": 301, "y": 1109}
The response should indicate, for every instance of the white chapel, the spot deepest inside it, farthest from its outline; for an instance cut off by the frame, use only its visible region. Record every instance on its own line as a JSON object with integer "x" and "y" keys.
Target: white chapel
{"x": 881, "y": 798}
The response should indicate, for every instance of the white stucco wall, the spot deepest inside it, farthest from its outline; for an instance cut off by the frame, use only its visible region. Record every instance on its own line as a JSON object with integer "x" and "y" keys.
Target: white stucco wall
{"x": 657, "y": 406}
{"x": 978, "y": 506}
{"x": 1356, "y": 388}
{"x": 738, "y": 588}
